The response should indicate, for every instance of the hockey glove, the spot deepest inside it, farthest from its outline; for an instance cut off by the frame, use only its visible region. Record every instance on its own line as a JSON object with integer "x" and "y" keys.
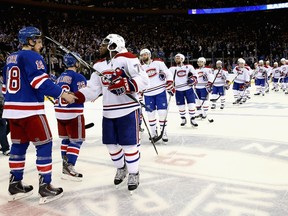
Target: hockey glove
{"x": 120, "y": 86}
{"x": 209, "y": 87}
{"x": 227, "y": 85}
{"x": 192, "y": 81}
{"x": 170, "y": 88}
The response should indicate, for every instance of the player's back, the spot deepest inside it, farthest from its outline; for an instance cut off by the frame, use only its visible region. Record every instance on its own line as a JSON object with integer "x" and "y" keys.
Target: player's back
{"x": 70, "y": 81}
{"x": 23, "y": 73}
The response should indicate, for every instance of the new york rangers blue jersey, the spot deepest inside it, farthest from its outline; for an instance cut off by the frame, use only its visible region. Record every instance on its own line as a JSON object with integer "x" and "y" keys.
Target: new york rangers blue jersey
{"x": 69, "y": 81}
{"x": 25, "y": 84}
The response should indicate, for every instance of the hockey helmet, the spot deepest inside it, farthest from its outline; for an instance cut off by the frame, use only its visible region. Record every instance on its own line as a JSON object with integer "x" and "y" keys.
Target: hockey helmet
{"x": 241, "y": 61}
{"x": 27, "y": 33}
{"x": 181, "y": 56}
{"x": 145, "y": 51}
{"x": 69, "y": 60}
{"x": 202, "y": 59}
{"x": 115, "y": 42}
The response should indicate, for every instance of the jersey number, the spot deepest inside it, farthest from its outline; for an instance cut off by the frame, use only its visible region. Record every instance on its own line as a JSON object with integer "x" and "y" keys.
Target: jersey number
{"x": 13, "y": 80}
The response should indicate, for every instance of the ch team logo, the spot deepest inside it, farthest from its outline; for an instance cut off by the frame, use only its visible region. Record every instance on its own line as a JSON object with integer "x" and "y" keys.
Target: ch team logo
{"x": 181, "y": 73}
{"x": 107, "y": 76}
{"x": 151, "y": 72}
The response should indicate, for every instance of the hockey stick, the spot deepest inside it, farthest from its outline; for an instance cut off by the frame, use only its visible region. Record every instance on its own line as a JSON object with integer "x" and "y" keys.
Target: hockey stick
{"x": 150, "y": 137}
{"x": 156, "y": 139}
{"x": 210, "y": 120}
{"x": 87, "y": 126}
{"x": 201, "y": 106}
{"x": 88, "y": 66}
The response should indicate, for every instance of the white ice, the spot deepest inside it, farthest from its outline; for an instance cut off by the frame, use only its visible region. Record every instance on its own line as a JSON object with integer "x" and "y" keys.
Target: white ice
{"x": 237, "y": 165}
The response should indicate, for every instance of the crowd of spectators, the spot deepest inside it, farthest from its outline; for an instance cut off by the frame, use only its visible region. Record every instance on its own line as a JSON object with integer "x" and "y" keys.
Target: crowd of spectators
{"x": 225, "y": 37}
{"x": 162, "y": 4}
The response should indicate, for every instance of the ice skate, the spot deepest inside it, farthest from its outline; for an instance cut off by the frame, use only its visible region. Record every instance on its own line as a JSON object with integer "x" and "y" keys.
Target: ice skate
{"x": 154, "y": 135}
{"x": 120, "y": 176}
{"x": 6, "y": 153}
{"x": 141, "y": 129}
{"x": 133, "y": 182}
{"x": 47, "y": 192}
{"x": 69, "y": 172}
{"x": 183, "y": 121}
{"x": 257, "y": 93}
{"x": 193, "y": 122}
{"x": 165, "y": 137}
{"x": 17, "y": 190}
{"x": 222, "y": 106}
{"x": 213, "y": 106}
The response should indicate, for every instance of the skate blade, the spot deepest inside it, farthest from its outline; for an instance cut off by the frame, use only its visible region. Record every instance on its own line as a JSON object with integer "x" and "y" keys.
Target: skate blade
{"x": 71, "y": 178}
{"x": 133, "y": 191}
{"x": 19, "y": 196}
{"x": 122, "y": 183}
{"x": 44, "y": 200}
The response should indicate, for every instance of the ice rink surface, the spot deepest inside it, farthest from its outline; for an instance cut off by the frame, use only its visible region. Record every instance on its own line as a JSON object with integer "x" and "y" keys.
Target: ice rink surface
{"x": 235, "y": 166}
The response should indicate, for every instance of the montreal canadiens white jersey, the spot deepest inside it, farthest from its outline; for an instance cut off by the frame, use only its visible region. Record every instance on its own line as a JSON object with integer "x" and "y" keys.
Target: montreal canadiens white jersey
{"x": 158, "y": 74}
{"x": 284, "y": 70}
{"x": 204, "y": 75}
{"x": 242, "y": 74}
{"x": 220, "y": 77}
{"x": 276, "y": 72}
{"x": 261, "y": 72}
{"x": 115, "y": 106}
{"x": 269, "y": 69}
{"x": 181, "y": 76}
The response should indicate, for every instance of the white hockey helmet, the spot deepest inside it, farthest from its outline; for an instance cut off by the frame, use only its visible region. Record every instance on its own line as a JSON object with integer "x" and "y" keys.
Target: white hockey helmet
{"x": 261, "y": 62}
{"x": 241, "y": 61}
{"x": 115, "y": 42}
{"x": 275, "y": 63}
{"x": 181, "y": 56}
{"x": 145, "y": 51}
{"x": 202, "y": 59}
{"x": 219, "y": 62}
{"x": 283, "y": 60}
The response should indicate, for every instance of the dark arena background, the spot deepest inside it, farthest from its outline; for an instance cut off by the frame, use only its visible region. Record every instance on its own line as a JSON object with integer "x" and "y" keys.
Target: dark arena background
{"x": 235, "y": 165}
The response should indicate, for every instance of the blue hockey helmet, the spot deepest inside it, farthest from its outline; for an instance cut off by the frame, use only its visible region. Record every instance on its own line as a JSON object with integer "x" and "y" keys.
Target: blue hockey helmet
{"x": 27, "y": 33}
{"x": 69, "y": 60}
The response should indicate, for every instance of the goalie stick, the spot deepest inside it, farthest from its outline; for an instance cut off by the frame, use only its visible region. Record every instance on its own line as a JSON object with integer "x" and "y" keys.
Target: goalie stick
{"x": 88, "y": 66}
{"x": 87, "y": 126}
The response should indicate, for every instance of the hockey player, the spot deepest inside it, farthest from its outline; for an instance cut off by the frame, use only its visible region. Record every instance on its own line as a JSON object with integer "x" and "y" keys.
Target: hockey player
{"x": 220, "y": 84}
{"x": 284, "y": 73}
{"x": 248, "y": 89}
{"x": 276, "y": 75}
{"x": 203, "y": 87}
{"x": 155, "y": 96}
{"x": 260, "y": 76}
{"x": 184, "y": 82}
{"x": 269, "y": 70}
{"x": 120, "y": 126}
{"x": 70, "y": 119}
{"x": 241, "y": 82}
{"x": 25, "y": 84}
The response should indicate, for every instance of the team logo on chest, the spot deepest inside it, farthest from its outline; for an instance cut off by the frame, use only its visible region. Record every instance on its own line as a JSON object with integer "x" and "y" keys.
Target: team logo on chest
{"x": 181, "y": 73}
{"x": 107, "y": 76}
{"x": 151, "y": 72}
